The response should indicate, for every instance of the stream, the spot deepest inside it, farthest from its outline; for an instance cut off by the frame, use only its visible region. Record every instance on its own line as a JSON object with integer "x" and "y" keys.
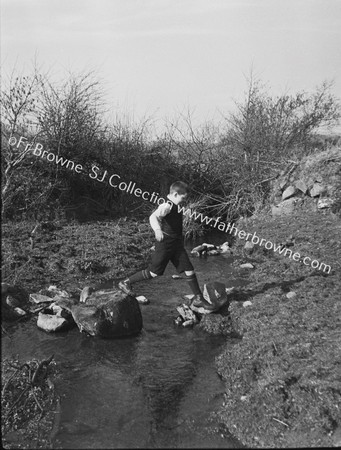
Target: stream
{"x": 158, "y": 389}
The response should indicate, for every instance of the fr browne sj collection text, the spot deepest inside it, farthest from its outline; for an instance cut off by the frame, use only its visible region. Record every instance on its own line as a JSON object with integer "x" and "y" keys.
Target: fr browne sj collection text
{"x": 95, "y": 172}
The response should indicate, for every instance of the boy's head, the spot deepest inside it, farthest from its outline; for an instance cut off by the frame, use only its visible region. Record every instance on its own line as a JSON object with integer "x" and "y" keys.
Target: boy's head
{"x": 178, "y": 191}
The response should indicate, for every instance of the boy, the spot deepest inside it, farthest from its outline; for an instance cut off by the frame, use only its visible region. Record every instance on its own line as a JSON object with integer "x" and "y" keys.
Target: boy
{"x": 166, "y": 223}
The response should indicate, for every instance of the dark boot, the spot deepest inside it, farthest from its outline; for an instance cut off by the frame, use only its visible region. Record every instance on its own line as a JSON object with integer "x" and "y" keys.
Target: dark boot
{"x": 199, "y": 302}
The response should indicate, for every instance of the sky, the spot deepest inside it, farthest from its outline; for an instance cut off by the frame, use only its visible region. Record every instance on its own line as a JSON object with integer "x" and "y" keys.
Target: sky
{"x": 159, "y": 57}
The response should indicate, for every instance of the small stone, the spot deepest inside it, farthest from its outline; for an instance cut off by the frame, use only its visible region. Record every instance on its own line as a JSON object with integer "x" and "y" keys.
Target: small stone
{"x": 213, "y": 252}
{"x": 230, "y": 290}
{"x": 50, "y": 323}
{"x": 186, "y": 313}
{"x": 52, "y": 288}
{"x": 142, "y": 299}
{"x": 243, "y": 398}
{"x": 209, "y": 245}
{"x": 188, "y": 323}
{"x": 286, "y": 207}
{"x": 247, "y": 266}
{"x": 176, "y": 277}
{"x": 317, "y": 190}
{"x": 325, "y": 203}
{"x": 247, "y": 303}
{"x": 291, "y": 294}
{"x": 225, "y": 248}
{"x": 178, "y": 321}
{"x": 20, "y": 311}
{"x": 301, "y": 186}
{"x": 198, "y": 249}
{"x": 289, "y": 192}
{"x": 249, "y": 247}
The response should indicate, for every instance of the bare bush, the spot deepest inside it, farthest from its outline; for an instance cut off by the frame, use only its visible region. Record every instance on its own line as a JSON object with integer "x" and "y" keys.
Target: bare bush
{"x": 19, "y": 102}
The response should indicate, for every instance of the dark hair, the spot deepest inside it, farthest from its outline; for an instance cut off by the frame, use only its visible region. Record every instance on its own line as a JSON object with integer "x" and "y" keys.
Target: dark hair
{"x": 180, "y": 187}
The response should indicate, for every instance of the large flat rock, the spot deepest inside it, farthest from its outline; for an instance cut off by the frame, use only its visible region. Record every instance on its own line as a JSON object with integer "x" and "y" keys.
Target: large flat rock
{"x": 107, "y": 313}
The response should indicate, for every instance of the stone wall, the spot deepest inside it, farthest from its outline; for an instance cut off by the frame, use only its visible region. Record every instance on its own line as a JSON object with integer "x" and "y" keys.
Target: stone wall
{"x": 313, "y": 183}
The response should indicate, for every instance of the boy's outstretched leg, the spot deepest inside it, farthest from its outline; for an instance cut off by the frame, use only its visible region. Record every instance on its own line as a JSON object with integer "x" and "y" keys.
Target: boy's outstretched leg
{"x": 126, "y": 285}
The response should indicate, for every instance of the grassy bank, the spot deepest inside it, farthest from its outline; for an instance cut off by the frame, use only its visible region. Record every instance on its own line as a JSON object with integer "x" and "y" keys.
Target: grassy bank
{"x": 283, "y": 384}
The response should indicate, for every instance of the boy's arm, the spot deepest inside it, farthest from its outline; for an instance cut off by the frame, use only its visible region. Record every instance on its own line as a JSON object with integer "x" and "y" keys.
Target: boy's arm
{"x": 156, "y": 218}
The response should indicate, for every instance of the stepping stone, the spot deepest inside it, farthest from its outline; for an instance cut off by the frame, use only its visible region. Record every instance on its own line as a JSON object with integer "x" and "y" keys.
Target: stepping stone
{"x": 143, "y": 300}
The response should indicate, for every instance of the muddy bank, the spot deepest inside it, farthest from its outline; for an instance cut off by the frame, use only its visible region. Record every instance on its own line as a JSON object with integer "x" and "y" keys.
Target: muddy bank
{"x": 283, "y": 385}
{"x": 72, "y": 255}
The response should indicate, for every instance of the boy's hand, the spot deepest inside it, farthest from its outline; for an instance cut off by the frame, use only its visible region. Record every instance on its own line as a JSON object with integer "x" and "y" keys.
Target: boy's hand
{"x": 159, "y": 235}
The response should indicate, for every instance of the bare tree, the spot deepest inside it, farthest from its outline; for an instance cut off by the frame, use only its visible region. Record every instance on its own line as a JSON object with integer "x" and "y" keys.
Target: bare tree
{"x": 19, "y": 100}
{"x": 70, "y": 114}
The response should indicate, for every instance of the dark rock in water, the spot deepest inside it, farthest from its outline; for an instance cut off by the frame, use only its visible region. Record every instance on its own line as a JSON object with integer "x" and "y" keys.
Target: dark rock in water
{"x": 107, "y": 313}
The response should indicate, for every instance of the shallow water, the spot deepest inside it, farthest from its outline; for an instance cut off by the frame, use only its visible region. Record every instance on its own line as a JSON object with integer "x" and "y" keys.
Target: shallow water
{"x": 157, "y": 389}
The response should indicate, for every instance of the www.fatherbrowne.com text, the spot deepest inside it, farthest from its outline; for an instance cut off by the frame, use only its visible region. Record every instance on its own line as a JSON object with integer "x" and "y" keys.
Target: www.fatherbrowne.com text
{"x": 113, "y": 181}
{"x": 277, "y": 248}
